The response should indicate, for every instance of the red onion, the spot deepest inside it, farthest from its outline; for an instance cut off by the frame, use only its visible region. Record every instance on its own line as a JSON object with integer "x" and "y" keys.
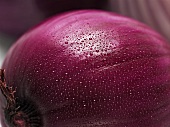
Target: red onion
{"x": 87, "y": 68}
{"x": 18, "y": 16}
{"x": 155, "y": 13}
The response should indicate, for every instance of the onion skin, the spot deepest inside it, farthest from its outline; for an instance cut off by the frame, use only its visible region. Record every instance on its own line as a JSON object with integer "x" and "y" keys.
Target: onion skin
{"x": 155, "y": 13}
{"x": 18, "y": 16}
{"x": 92, "y": 68}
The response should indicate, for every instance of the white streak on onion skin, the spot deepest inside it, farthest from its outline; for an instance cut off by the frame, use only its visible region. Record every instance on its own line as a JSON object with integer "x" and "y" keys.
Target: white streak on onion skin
{"x": 155, "y": 13}
{"x": 161, "y": 18}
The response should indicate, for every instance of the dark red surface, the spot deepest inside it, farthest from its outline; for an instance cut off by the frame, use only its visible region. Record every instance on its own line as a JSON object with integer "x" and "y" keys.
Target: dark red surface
{"x": 18, "y": 16}
{"x": 93, "y": 68}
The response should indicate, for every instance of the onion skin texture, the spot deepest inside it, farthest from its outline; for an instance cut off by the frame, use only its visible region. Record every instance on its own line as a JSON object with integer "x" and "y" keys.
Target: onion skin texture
{"x": 19, "y": 16}
{"x": 92, "y": 68}
{"x": 155, "y": 13}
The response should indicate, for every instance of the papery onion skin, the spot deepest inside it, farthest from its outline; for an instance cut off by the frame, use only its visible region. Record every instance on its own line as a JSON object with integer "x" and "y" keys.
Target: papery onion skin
{"x": 155, "y": 13}
{"x": 92, "y": 68}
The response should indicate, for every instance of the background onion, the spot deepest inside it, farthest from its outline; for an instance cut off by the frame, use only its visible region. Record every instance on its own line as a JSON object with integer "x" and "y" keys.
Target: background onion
{"x": 17, "y": 16}
{"x": 155, "y": 13}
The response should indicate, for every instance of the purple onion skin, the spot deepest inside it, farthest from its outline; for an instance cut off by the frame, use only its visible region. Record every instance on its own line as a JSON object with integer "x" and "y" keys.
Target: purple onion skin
{"x": 18, "y": 16}
{"x": 92, "y": 68}
{"x": 155, "y": 13}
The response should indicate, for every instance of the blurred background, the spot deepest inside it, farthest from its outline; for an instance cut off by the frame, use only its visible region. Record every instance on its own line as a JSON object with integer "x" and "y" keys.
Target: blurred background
{"x": 18, "y": 16}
